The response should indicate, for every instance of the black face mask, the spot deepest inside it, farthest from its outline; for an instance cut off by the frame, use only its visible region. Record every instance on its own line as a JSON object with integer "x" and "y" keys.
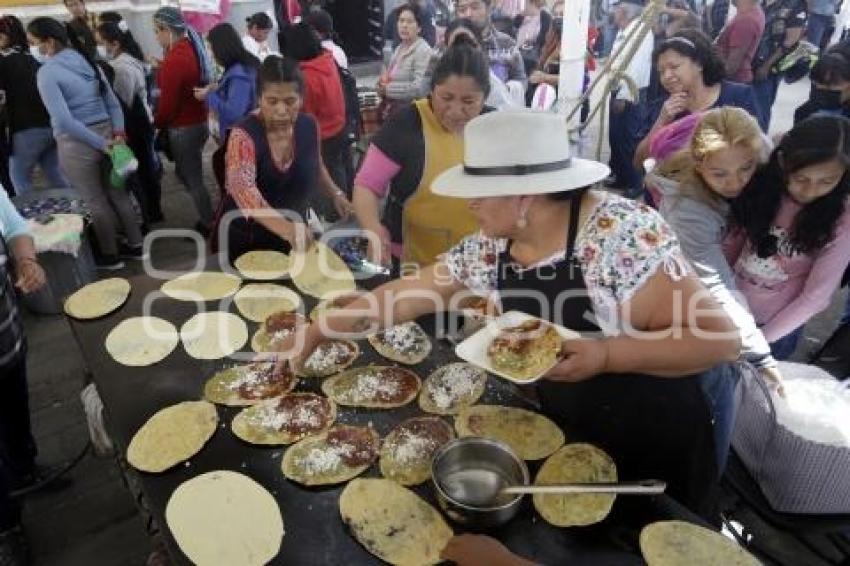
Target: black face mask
{"x": 825, "y": 99}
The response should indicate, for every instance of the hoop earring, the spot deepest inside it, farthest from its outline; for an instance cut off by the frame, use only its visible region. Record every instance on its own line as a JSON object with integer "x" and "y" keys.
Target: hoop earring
{"x": 522, "y": 222}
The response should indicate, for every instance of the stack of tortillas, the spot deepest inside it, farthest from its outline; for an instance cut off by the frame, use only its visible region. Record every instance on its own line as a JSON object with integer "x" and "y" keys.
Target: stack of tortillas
{"x": 677, "y": 543}
{"x": 320, "y": 273}
{"x": 225, "y": 518}
{"x": 393, "y": 523}
{"x": 172, "y": 435}
{"x": 141, "y": 341}
{"x": 97, "y": 299}
{"x": 262, "y": 265}
{"x": 257, "y": 301}
{"x": 213, "y": 335}
{"x": 202, "y": 286}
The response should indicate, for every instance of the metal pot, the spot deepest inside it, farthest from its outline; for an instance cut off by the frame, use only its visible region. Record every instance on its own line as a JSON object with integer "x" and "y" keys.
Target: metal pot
{"x": 468, "y": 474}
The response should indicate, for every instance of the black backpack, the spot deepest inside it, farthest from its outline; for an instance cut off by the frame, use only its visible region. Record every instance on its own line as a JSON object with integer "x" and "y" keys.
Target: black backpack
{"x": 353, "y": 119}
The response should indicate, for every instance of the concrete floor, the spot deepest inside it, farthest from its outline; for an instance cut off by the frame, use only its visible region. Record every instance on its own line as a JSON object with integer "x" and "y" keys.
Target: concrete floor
{"x": 95, "y": 521}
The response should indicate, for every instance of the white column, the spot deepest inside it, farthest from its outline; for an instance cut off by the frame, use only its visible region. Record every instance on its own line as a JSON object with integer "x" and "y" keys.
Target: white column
{"x": 573, "y": 53}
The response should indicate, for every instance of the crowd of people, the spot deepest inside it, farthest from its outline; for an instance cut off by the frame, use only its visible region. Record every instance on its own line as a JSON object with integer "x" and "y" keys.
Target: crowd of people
{"x": 749, "y": 234}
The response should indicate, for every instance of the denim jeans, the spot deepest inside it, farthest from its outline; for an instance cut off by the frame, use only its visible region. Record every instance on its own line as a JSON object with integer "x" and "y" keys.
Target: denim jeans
{"x": 187, "y": 145}
{"x": 765, "y": 92}
{"x": 624, "y": 137}
{"x": 784, "y": 348}
{"x": 719, "y": 385}
{"x": 817, "y": 27}
{"x": 31, "y": 147}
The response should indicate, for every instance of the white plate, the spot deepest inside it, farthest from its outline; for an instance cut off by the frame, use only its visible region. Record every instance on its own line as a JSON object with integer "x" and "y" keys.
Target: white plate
{"x": 474, "y": 348}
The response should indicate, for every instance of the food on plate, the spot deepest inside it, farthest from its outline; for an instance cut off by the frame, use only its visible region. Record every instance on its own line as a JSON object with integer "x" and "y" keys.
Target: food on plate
{"x": 224, "y": 518}
{"x": 335, "y": 456}
{"x": 377, "y": 387}
{"x": 320, "y": 273}
{"x": 575, "y": 463}
{"x": 330, "y": 357}
{"x": 407, "y": 450}
{"x": 97, "y": 299}
{"x": 213, "y": 335}
{"x": 262, "y": 265}
{"x": 248, "y": 384}
{"x": 258, "y": 301}
{"x": 141, "y": 341}
{"x": 404, "y": 343}
{"x": 174, "y": 434}
{"x": 526, "y": 350}
{"x": 677, "y": 543}
{"x": 275, "y": 329}
{"x": 285, "y": 420}
{"x": 532, "y": 436}
{"x": 393, "y": 523}
{"x": 452, "y": 387}
{"x": 201, "y": 286}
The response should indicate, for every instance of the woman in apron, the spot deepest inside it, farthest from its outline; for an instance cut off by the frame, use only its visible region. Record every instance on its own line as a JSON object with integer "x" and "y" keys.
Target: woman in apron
{"x": 421, "y": 141}
{"x": 596, "y": 263}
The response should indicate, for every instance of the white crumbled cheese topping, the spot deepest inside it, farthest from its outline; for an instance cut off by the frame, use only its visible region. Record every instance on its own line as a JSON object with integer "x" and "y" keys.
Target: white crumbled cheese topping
{"x": 453, "y": 385}
{"x": 327, "y": 356}
{"x": 412, "y": 448}
{"x": 324, "y": 459}
{"x": 404, "y": 338}
{"x": 248, "y": 376}
{"x": 281, "y": 334}
{"x": 370, "y": 385}
{"x": 306, "y": 414}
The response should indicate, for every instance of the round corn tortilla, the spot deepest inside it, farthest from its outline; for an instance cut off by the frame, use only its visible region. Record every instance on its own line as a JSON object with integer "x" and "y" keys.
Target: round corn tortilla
{"x": 407, "y": 450}
{"x": 677, "y": 543}
{"x": 264, "y": 341}
{"x": 201, "y": 286}
{"x": 531, "y": 435}
{"x": 213, "y": 335}
{"x": 249, "y": 384}
{"x": 256, "y": 301}
{"x": 224, "y": 518}
{"x": 97, "y": 299}
{"x": 575, "y": 463}
{"x": 331, "y": 302}
{"x": 262, "y": 265}
{"x": 330, "y": 357}
{"x": 452, "y": 387}
{"x": 268, "y": 424}
{"x": 320, "y": 273}
{"x": 173, "y": 435}
{"x": 393, "y": 523}
{"x": 320, "y": 460}
{"x": 141, "y": 341}
{"x": 375, "y": 387}
{"x": 404, "y": 343}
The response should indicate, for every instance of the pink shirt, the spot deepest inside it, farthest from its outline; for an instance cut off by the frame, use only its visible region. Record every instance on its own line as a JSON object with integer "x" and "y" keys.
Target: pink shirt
{"x": 785, "y": 290}
{"x": 743, "y": 32}
{"x": 375, "y": 175}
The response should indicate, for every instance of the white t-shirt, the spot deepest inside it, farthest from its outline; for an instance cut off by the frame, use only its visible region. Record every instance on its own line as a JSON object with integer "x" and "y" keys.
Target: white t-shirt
{"x": 258, "y": 50}
{"x": 640, "y": 67}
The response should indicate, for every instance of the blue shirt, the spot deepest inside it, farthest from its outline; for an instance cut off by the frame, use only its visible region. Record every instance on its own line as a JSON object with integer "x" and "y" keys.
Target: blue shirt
{"x": 731, "y": 94}
{"x": 235, "y": 97}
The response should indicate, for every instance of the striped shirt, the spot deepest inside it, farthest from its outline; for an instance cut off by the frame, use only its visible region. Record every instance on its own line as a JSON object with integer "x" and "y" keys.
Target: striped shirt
{"x": 11, "y": 330}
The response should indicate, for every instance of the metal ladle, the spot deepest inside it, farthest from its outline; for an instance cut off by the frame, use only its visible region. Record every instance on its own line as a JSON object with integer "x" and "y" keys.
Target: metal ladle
{"x": 642, "y": 487}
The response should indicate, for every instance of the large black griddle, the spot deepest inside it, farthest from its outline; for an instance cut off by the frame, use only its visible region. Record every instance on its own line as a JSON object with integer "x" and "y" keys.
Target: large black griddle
{"x": 315, "y": 534}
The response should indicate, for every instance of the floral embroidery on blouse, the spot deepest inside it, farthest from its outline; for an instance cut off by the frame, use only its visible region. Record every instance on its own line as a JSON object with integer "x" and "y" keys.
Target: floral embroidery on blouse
{"x": 241, "y": 171}
{"x": 620, "y": 246}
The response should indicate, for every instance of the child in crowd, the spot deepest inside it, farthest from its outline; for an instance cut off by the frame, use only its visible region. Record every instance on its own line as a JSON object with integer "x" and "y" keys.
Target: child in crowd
{"x": 790, "y": 242}
{"x": 696, "y": 186}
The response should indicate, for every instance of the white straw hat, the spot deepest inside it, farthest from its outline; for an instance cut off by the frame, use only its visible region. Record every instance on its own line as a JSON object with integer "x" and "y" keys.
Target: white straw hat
{"x": 517, "y": 152}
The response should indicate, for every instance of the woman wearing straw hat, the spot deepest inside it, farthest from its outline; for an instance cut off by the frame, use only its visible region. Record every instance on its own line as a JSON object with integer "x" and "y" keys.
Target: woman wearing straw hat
{"x": 593, "y": 262}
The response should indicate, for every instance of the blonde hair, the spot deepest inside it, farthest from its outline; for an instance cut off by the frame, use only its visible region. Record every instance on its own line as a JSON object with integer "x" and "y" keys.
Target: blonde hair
{"x": 719, "y": 129}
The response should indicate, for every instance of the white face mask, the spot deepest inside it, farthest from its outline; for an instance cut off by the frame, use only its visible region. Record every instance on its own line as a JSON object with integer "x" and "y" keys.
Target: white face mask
{"x": 37, "y": 54}
{"x": 102, "y": 53}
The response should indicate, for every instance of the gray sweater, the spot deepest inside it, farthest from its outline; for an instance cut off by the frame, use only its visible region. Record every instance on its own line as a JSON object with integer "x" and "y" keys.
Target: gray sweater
{"x": 700, "y": 229}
